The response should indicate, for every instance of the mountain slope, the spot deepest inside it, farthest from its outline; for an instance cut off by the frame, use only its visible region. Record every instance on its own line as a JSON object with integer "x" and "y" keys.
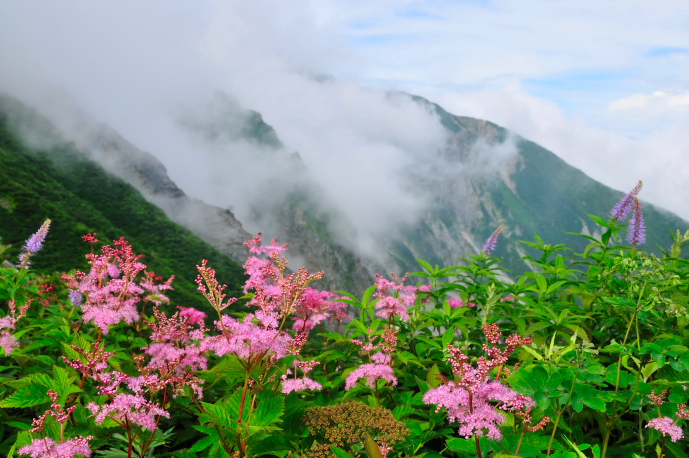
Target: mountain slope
{"x": 483, "y": 177}
{"x": 530, "y": 190}
{"x": 61, "y": 183}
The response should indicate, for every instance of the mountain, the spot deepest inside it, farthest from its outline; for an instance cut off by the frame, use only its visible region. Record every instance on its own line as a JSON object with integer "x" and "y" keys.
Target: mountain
{"x": 501, "y": 178}
{"x": 482, "y": 177}
{"x": 59, "y": 181}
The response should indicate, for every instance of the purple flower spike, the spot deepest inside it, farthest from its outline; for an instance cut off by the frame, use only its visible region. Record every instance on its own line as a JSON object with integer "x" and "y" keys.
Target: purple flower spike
{"x": 637, "y": 227}
{"x": 492, "y": 241}
{"x": 624, "y": 206}
{"x": 33, "y": 245}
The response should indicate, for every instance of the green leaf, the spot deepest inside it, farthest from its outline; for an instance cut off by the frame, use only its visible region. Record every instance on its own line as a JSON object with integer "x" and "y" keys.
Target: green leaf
{"x": 448, "y": 337}
{"x": 367, "y": 295}
{"x": 234, "y": 404}
{"x": 206, "y": 442}
{"x": 432, "y": 377}
{"x": 538, "y": 384}
{"x": 464, "y": 446}
{"x": 340, "y": 453}
{"x": 268, "y": 412}
{"x": 271, "y": 445}
{"x": 372, "y": 449}
{"x": 599, "y": 220}
{"x": 402, "y": 411}
{"x": 217, "y": 414}
{"x": 27, "y": 396}
{"x": 589, "y": 396}
{"x": 425, "y": 265}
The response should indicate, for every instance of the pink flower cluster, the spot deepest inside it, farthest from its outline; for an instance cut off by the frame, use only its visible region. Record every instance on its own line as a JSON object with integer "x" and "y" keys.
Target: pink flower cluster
{"x": 111, "y": 288}
{"x": 253, "y": 338}
{"x": 56, "y": 411}
{"x": 129, "y": 408}
{"x": 474, "y": 400}
{"x": 372, "y": 373}
{"x": 667, "y": 425}
{"x": 260, "y": 336}
{"x": 7, "y": 340}
{"x": 316, "y": 306}
{"x": 394, "y": 299}
{"x": 457, "y": 302}
{"x": 48, "y": 448}
{"x": 122, "y": 407}
{"x": 301, "y": 384}
{"x": 381, "y": 367}
{"x": 176, "y": 352}
{"x": 475, "y": 409}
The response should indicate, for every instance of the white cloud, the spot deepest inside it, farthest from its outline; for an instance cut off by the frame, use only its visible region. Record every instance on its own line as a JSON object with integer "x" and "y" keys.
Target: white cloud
{"x": 609, "y": 78}
{"x": 658, "y": 159}
{"x": 132, "y": 65}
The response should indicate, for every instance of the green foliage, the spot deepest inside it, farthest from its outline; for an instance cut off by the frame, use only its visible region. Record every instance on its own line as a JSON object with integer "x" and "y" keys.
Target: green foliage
{"x": 62, "y": 184}
{"x": 608, "y": 353}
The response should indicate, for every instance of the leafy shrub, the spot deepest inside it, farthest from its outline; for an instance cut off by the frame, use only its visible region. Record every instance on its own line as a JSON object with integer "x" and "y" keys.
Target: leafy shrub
{"x": 586, "y": 354}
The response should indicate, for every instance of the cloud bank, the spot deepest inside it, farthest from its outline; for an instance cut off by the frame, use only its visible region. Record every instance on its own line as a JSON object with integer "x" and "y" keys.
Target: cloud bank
{"x": 601, "y": 85}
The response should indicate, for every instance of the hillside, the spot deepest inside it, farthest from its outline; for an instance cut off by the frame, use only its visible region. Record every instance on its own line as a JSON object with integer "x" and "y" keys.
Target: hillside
{"x": 80, "y": 197}
{"x": 484, "y": 176}
{"x": 530, "y": 190}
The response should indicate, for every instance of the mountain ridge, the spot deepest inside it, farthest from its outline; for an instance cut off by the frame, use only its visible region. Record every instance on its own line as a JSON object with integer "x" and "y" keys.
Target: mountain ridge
{"x": 484, "y": 176}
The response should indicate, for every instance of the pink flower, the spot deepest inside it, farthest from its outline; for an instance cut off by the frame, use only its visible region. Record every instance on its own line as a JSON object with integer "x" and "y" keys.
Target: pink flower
{"x": 476, "y": 411}
{"x": 372, "y": 373}
{"x": 381, "y": 358}
{"x": 48, "y": 448}
{"x": 56, "y": 411}
{"x": 7, "y": 340}
{"x": 391, "y": 306}
{"x": 667, "y": 426}
{"x": 111, "y": 288}
{"x": 300, "y": 384}
{"x": 392, "y": 301}
{"x": 193, "y": 316}
{"x": 456, "y": 302}
{"x": 312, "y": 308}
{"x": 246, "y": 339}
{"x": 128, "y": 407}
{"x": 471, "y": 400}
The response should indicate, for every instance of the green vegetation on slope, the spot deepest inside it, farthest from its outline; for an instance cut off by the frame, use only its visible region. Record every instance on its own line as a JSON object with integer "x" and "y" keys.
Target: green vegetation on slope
{"x": 81, "y": 197}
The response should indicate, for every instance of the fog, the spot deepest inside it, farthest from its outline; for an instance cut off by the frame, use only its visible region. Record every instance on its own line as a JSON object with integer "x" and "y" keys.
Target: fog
{"x": 139, "y": 67}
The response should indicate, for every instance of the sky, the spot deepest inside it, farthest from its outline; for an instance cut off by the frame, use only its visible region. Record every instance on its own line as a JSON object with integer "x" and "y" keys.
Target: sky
{"x": 601, "y": 84}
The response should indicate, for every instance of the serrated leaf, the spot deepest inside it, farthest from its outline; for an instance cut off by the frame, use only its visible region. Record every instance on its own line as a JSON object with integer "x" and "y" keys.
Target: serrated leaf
{"x": 45, "y": 359}
{"x": 206, "y": 442}
{"x": 27, "y": 396}
{"x": 268, "y": 412}
{"x": 271, "y": 445}
{"x": 217, "y": 414}
{"x": 234, "y": 403}
{"x": 402, "y": 411}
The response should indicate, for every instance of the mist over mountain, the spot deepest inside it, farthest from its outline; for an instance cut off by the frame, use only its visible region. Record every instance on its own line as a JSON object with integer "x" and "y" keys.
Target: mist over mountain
{"x": 452, "y": 194}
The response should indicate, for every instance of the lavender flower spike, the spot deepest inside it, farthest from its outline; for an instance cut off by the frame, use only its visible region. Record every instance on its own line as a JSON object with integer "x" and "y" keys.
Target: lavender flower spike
{"x": 637, "y": 227}
{"x": 33, "y": 245}
{"x": 492, "y": 241}
{"x": 624, "y": 206}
